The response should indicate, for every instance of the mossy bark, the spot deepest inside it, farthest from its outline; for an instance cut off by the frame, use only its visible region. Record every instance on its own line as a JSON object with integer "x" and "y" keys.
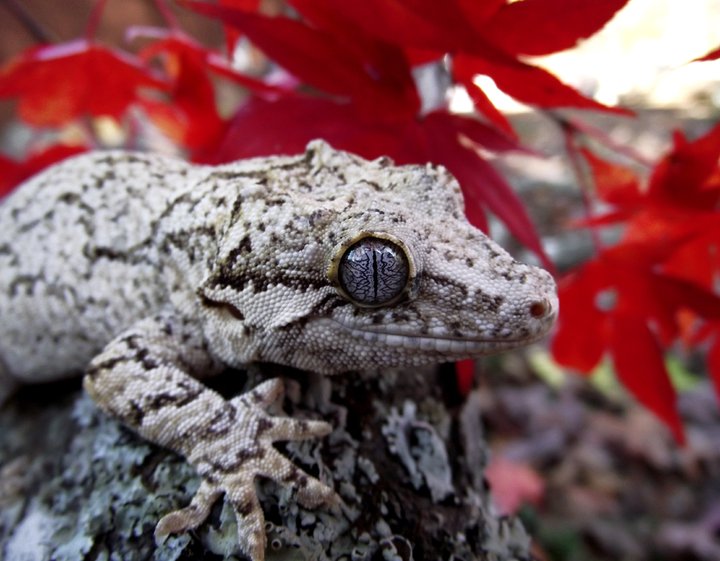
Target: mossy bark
{"x": 406, "y": 457}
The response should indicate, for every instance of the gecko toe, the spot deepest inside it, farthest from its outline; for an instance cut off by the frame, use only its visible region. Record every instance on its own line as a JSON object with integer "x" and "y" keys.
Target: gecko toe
{"x": 287, "y": 428}
{"x": 191, "y": 516}
{"x": 264, "y": 394}
{"x": 250, "y": 521}
{"x": 313, "y": 493}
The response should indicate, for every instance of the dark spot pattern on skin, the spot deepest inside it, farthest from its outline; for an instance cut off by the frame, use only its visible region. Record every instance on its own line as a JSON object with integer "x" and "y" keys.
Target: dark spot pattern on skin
{"x": 184, "y": 198}
{"x": 160, "y": 400}
{"x": 69, "y": 198}
{"x": 105, "y": 366}
{"x": 218, "y": 427}
{"x": 238, "y": 276}
{"x": 236, "y": 209}
{"x": 375, "y": 186}
{"x": 189, "y": 395}
{"x": 292, "y": 475}
{"x": 263, "y": 425}
{"x": 242, "y": 456}
{"x": 136, "y": 415}
{"x": 275, "y": 201}
{"x": 147, "y": 361}
{"x": 459, "y": 288}
{"x": 226, "y": 306}
{"x": 24, "y": 281}
{"x": 490, "y": 303}
{"x": 243, "y": 508}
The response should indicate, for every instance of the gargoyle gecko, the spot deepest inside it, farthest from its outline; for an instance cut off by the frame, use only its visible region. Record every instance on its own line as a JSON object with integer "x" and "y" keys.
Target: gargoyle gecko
{"x": 149, "y": 274}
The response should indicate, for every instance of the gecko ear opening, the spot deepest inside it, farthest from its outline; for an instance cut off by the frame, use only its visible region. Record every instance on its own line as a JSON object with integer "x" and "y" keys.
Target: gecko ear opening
{"x": 373, "y": 269}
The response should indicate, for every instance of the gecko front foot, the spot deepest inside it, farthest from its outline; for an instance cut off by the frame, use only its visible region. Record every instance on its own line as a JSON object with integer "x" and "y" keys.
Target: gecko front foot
{"x": 234, "y": 453}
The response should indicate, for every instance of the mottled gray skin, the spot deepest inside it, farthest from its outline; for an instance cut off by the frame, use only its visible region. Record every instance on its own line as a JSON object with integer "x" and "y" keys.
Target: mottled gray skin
{"x": 149, "y": 274}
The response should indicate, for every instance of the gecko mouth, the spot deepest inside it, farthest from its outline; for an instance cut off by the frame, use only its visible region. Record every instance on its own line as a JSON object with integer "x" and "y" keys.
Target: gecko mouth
{"x": 438, "y": 343}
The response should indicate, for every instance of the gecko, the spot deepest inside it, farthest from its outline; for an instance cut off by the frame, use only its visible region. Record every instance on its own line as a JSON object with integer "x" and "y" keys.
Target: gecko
{"x": 147, "y": 275}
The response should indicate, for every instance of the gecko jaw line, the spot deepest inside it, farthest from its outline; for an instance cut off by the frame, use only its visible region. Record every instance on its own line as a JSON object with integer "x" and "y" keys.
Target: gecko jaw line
{"x": 439, "y": 343}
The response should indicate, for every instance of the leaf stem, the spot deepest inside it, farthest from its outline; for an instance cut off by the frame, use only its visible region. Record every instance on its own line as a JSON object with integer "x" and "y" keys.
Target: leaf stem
{"x": 167, "y": 14}
{"x": 582, "y": 175}
{"x": 606, "y": 140}
{"x": 38, "y": 32}
{"x": 94, "y": 20}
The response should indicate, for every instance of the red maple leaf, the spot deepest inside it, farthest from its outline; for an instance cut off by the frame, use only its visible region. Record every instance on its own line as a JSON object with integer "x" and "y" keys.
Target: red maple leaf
{"x": 629, "y": 301}
{"x": 688, "y": 176}
{"x": 614, "y": 183}
{"x": 542, "y": 27}
{"x": 525, "y": 82}
{"x": 232, "y": 35}
{"x": 58, "y": 83}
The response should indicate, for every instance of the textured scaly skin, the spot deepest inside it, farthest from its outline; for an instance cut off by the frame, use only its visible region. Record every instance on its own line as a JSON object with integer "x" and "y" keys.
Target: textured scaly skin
{"x": 148, "y": 274}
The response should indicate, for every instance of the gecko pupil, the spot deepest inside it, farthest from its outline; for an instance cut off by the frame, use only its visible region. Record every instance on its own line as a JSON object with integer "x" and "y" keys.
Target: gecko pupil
{"x": 374, "y": 271}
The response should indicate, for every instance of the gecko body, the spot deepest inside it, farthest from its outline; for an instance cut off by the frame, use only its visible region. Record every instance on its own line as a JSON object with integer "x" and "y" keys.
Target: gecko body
{"x": 149, "y": 274}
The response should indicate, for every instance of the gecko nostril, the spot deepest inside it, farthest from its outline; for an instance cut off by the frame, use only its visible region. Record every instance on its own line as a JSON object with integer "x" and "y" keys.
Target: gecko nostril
{"x": 539, "y": 308}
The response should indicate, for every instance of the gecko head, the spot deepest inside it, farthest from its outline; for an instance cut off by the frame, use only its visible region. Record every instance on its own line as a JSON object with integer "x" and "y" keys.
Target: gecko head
{"x": 371, "y": 265}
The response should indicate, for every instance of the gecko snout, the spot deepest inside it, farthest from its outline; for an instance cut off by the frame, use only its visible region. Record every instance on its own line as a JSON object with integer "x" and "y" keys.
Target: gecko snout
{"x": 542, "y": 307}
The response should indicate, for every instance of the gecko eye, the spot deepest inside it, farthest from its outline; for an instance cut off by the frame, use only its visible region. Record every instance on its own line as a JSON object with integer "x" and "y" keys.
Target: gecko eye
{"x": 374, "y": 271}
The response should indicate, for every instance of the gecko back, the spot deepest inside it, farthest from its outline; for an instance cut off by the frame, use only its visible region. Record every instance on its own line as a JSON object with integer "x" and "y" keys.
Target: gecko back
{"x": 76, "y": 260}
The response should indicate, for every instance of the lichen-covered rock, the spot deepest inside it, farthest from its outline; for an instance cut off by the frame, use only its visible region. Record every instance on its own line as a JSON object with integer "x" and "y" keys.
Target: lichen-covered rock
{"x": 77, "y": 485}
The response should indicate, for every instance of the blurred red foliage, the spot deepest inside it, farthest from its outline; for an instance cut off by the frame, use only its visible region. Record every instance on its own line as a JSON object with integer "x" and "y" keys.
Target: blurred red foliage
{"x": 629, "y": 301}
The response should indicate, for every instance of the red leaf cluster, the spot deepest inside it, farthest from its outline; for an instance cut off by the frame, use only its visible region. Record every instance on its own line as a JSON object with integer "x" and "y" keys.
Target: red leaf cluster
{"x": 357, "y": 59}
{"x": 632, "y": 300}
